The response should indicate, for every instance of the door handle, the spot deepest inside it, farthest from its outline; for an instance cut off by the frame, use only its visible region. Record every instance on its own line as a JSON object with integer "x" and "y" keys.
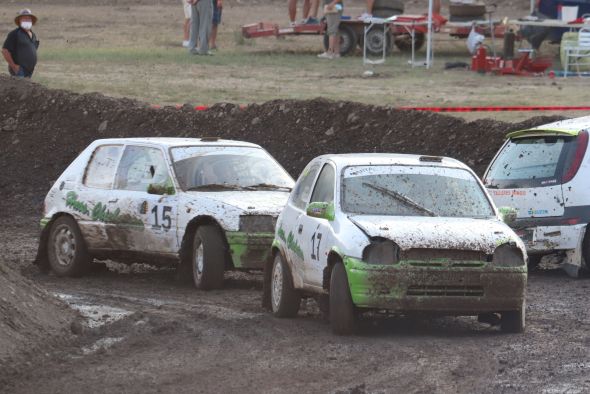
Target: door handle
{"x": 114, "y": 201}
{"x": 300, "y": 229}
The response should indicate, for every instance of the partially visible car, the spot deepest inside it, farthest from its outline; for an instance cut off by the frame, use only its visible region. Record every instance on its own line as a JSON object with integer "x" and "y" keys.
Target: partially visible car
{"x": 543, "y": 173}
{"x": 401, "y": 233}
{"x": 207, "y": 204}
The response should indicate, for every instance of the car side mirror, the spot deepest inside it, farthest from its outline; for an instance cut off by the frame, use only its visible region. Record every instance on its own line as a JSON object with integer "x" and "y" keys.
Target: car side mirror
{"x": 321, "y": 210}
{"x": 154, "y": 188}
{"x": 508, "y": 214}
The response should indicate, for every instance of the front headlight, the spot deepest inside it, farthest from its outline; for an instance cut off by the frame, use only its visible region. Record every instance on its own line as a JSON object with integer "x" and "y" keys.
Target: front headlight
{"x": 381, "y": 251}
{"x": 508, "y": 255}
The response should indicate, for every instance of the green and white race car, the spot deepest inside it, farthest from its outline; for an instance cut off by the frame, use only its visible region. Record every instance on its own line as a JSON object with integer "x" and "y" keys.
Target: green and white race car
{"x": 401, "y": 233}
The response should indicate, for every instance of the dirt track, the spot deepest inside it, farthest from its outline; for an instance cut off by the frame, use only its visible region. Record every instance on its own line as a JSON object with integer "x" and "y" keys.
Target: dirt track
{"x": 172, "y": 338}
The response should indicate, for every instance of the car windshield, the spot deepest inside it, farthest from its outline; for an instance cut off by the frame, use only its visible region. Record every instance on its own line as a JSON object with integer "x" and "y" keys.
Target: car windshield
{"x": 530, "y": 162}
{"x": 413, "y": 191}
{"x": 228, "y": 168}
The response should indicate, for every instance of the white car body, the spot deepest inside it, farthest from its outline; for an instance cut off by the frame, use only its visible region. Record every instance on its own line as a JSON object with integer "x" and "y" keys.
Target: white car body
{"x": 445, "y": 262}
{"x": 128, "y": 207}
{"x": 543, "y": 173}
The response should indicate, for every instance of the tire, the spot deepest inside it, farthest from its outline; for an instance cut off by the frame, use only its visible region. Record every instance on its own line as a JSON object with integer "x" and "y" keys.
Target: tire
{"x": 534, "y": 260}
{"x": 342, "y": 312}
{"x": 66, "y": 248}
{"x": 586, "y": 249}
{"x": 513, "y": 321}
{"x": 375, "y": 42}
{"x": 404, "y": 42}
{"x": 284, "y": 299}
{"x": 393, "y": 4}
{"x": 208, "y": 258}
{"x": 348, "y": 40}
{"x": 386, "y": 12}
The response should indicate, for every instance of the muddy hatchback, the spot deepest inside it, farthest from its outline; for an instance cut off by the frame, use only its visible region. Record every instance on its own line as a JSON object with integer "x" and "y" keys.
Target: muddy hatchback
{"x": 400, "y": 233}
{"x": 543, "y": 173}
{"x": 208, "y": 204}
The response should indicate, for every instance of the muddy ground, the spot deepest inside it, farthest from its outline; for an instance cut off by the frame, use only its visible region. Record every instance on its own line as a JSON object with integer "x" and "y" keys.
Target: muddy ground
{"x": 145, "y": 332}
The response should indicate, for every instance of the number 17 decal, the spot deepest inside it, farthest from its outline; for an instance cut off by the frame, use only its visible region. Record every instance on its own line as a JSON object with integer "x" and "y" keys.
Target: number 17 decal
{"x": 315, "y": 249}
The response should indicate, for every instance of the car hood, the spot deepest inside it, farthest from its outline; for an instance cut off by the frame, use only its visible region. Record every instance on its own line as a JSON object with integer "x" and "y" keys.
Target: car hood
{"x": 255, "y": 202}
{"x": 438, "y": 233}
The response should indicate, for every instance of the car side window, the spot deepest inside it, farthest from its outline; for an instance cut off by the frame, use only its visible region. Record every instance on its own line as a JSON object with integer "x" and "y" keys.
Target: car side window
{"x": 324, "y": 187}
{"x": 142, "y": 168}
{"x": 100, "y": 171}
{"x": 302, "y": 189}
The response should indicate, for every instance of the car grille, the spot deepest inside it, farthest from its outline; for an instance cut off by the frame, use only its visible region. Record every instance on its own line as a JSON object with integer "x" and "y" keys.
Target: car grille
{"x": 445, "y": 291}
{"x": 445, "y": 258}
{"x": 257, "y": 223}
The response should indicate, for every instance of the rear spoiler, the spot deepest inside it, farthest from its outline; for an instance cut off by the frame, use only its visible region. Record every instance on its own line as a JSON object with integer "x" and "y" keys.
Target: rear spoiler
{"x": 542, "y": 133}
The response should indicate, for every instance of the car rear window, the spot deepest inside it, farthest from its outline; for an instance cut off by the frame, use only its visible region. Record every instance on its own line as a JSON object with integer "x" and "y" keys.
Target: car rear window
{"x": 531, "y": 162}
{"x": 101, "y": 169}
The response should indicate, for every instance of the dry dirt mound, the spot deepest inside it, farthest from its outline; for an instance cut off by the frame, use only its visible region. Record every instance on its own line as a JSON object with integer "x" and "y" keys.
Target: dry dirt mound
{"x": 42, "y": 130}
{"x": 31, "y": 321}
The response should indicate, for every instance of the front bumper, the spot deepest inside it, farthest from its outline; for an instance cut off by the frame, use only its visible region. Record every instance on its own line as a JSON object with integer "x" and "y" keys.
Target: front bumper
{"x": 449, "y": 290}
{"x": 249, "y": 250}
{"x": 549, "y": 238}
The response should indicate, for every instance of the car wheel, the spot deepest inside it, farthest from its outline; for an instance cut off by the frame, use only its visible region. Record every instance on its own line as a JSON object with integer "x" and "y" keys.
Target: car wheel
{"x": 513, "y": 321}
{"x": 375, "y": 41}
{"x": 66, "y": 249}
{"x": 208, "y": 258}
{"x": 404, "y": 42}
{"x": 342, "y": 312}
{"x": 285, "y": 300}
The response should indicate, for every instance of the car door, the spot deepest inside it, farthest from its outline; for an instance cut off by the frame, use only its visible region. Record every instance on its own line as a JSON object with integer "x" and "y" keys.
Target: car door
{"x": 95, "y": 194}
{"x": 317, "y": 232}
{"x": 145, "y": 218}
{"x": 289, "y": 230}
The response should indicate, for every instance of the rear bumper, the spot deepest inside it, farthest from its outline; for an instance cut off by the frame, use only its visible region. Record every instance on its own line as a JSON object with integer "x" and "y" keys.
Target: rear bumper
{"x": 541, "y": 239}
{"x": 249, "y": 250}
{"x": 466, "y": 291}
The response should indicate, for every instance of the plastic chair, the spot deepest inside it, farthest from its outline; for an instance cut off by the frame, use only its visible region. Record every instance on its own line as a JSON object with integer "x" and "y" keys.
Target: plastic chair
{"x": 578, "y": 52}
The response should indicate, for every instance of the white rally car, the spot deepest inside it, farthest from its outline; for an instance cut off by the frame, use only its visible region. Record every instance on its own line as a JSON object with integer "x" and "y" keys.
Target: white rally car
{"x": 543, "y": 173}
{"x": 207, "y": 203}
{"x": 395, "y": 232}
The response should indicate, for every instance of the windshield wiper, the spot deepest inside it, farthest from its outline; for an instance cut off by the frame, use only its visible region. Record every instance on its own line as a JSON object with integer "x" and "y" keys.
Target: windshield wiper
{"x": 268, "y": 186}
{"x": 400, "y": 197}
{"x": 216, "y": 186}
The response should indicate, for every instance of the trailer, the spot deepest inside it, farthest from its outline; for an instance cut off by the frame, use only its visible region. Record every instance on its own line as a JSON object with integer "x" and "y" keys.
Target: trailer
{"x": 402, "y": 31}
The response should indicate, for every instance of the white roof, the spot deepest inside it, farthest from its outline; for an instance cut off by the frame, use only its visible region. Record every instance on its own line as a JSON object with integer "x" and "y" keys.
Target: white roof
{"x": 574, "y": 125}
{"x": 359, "y": 159}
{"x": 171, "y": 142}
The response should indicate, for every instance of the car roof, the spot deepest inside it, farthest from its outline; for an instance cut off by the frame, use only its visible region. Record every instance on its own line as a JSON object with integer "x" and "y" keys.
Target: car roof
{"x": 169, "y": 142}
{"x": 562, "y": 127}
{"x": 358, "y": 159}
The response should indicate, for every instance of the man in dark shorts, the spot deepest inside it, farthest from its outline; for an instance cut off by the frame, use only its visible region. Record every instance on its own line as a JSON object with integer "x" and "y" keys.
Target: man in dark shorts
{"x": 217, "y": 10}
{"x": 20, "y": 47}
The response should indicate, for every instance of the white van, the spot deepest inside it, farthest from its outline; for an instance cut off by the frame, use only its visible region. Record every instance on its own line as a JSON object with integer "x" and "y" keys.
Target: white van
{"x": 544, "y": 173}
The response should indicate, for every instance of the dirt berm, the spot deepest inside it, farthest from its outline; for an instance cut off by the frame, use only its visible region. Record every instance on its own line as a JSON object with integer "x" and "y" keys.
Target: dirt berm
{"x": 43, "y": 130}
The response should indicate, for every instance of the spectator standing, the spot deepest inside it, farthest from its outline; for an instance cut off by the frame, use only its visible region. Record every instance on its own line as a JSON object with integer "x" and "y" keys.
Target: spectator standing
{"x": 20, "y": 47}
{"x": 186, "y": 25}
{"x": 333, "y": 13}
{"x": 201, "y": 20}
{"x": 217, "y": 10}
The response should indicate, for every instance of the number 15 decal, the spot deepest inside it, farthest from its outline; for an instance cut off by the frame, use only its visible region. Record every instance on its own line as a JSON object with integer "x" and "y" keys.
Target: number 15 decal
{"x": 166, "y": 219}
{"x": 315, "y": 249}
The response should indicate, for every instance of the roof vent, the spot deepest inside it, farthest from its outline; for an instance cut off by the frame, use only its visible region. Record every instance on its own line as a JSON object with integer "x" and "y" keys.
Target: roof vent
{"x": 432, "y": 159}
{"x": 210, "y": 139}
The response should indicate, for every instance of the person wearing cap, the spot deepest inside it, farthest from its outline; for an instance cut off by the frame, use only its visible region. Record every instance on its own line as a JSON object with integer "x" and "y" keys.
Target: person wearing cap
{"x": 21, "y": 44}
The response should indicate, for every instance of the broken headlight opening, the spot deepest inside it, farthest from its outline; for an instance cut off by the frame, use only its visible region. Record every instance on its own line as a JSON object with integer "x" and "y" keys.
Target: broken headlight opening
{"x": 508, "y": 255}
{"x": 381, "y": 251}
{"x": 257, "y": 223}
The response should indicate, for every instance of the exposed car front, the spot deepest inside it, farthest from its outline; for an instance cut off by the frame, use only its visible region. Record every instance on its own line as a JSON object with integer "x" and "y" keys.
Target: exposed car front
{"x": 434, "y": 242}
{"x": 242, "y": 188}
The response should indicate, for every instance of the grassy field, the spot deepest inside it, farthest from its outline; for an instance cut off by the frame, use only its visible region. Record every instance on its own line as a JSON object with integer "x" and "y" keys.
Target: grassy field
{"x": 134, "y": 51}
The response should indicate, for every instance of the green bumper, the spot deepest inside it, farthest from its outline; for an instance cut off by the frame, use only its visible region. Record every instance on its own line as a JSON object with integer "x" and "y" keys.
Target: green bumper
{"x": 470, "y": 289}
{"x": 249, "y": 250}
